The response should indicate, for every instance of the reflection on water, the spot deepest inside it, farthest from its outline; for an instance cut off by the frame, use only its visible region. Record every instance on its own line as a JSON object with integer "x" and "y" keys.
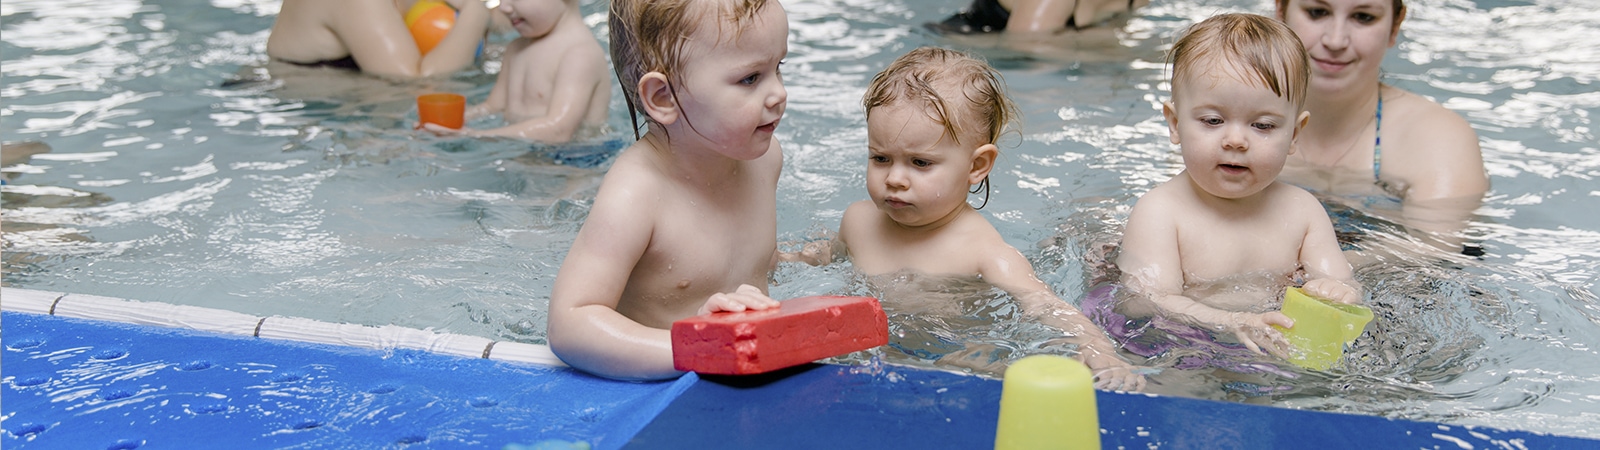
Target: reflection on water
{"x": 186, "y": 168}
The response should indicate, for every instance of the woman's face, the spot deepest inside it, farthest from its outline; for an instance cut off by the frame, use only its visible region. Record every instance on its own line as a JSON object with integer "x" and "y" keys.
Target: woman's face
{"x": 1346, "y": 39}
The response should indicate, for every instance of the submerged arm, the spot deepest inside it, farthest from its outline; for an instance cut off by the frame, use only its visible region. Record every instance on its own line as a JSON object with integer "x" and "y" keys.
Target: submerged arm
{"x": 1012, "y": 272}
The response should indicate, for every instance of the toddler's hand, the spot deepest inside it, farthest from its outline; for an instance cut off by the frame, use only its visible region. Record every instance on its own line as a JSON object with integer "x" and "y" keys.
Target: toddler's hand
{"x": 1256, "y": 333}
{"x": 1333, "y": 290}
{"x": 815, "y": 253}
{"x": 745, "y": 297}
{"x": 1112, "y": 373}
{"x": 441, "y": 130}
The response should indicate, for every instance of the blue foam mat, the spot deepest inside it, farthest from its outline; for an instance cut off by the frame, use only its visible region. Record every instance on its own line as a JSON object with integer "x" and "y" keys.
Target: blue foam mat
{"x": 88, "y": 384}
{"x": 824, "y": 406}
{"x": 73, "y": 383}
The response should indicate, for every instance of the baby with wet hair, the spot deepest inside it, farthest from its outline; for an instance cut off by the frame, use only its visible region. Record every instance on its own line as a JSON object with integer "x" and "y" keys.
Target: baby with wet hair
{"x": 685, "y": 221}
{"x": 1214, "y": 246}
{"x": 933, "y": 117}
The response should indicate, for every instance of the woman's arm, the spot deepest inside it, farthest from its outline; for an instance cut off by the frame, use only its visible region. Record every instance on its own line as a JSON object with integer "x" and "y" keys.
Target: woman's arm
{"x": 1441, "y": 167}
{"x": 378, "y": 39}
{"x": 1039, "y": 16}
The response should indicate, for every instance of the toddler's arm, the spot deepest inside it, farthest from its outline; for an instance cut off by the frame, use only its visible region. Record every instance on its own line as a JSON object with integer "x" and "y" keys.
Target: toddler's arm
{"x": 1011, "y": 271}
{"x": 817, "y": 253}
{"x": 585, "y": 329}
{"x": 1328, "y": 273}
{"x": 1251, "y": 329}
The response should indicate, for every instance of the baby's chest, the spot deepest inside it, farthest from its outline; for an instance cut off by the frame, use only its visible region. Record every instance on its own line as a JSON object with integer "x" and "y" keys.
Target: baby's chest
{"x": 1225, "y": 249}
{"x": 738, "y": 240}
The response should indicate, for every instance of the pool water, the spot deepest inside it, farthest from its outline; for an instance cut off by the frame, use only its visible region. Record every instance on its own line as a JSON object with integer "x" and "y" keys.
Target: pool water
{"x": 184, "y": 168}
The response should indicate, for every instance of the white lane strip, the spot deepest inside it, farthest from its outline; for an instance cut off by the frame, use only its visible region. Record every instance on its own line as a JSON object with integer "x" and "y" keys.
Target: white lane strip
{"x": 111, "y": 309}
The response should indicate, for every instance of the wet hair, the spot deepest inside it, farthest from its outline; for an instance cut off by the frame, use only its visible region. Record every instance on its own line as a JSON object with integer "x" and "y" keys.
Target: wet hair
{"x": 649, "y": 35}
{"x": 1255, "y": 45}
{"x": 930, "y": 75}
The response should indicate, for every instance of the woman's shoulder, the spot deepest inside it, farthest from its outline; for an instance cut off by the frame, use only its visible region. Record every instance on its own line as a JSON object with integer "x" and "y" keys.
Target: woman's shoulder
{"x": 1418, "y": 117}
{"x": 1429, "y": 147}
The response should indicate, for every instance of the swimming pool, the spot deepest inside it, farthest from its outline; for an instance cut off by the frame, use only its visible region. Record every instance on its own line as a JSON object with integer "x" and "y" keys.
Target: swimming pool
{"x": 273, "y": 196}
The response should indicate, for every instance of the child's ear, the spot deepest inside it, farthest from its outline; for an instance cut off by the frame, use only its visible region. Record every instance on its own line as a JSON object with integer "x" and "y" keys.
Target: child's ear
{"x": 982, "y": 163}
{"x": 1299, "y": 124}
{"x": 1171, "y": 114}
{"x": 656, "y": 99}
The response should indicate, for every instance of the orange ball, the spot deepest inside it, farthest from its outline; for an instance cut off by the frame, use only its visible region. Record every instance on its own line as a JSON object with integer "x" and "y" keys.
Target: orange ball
{"x": 430, "y": 21}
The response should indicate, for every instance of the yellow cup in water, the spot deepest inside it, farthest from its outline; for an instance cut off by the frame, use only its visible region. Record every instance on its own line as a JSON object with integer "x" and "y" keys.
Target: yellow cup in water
{"x": 1047, "y": 402}
{"x": 1321, "y": 328}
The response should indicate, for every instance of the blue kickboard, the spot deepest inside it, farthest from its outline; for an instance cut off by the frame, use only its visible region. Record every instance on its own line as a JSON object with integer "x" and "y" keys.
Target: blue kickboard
{"x": 73, "y": 383}
{"x": 826, "y": 406}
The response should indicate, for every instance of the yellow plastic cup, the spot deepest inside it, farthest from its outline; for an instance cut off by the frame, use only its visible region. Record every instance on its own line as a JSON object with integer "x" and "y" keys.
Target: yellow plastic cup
{"x": 1047, "y": 402}
{"x": 1321, "y": 328}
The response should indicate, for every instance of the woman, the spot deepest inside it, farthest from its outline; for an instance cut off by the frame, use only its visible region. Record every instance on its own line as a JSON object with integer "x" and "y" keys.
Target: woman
{"x": 1366, "y": 138}
{"x": 371, "y": 36}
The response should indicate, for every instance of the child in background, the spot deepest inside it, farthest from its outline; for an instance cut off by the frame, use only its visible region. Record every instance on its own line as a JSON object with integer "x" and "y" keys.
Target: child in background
{"x": 553, "y": 80}
{"x": 1198, "y": 247}
{"x": 932, "y": 119}
{"x": 685, "y": 221}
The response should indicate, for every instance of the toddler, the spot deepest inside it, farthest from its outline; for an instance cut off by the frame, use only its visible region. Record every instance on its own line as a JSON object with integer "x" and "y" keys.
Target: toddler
{"x": 932, "y": 119}
{"x": 685, "y": 221}
{"x": 1198, "y": 246}
{"x": 552, "y": 82}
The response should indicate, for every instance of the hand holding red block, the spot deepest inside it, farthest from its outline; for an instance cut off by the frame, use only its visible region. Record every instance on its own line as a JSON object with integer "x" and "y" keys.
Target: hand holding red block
{"x": 799, "y": 331}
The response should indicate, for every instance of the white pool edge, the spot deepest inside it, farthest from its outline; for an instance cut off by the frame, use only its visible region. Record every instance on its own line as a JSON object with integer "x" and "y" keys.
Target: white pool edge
{"x": 94, "y": 307}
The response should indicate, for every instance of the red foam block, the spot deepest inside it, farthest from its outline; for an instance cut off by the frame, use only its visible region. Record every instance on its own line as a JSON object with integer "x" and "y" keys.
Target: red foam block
{"x": 799, "y": 331}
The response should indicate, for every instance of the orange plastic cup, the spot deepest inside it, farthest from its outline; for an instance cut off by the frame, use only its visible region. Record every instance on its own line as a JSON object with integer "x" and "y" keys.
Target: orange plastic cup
{"x": 445, "y": 109}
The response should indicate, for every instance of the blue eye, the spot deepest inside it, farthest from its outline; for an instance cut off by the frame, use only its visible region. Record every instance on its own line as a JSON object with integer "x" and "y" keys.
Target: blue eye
{"x": 1264, "y": 126}
{"x": 750, "y": 79}
{"x": 878, "y": 158}
{"x": 1211, "y": 121}
{"x": 921, "y": 162}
